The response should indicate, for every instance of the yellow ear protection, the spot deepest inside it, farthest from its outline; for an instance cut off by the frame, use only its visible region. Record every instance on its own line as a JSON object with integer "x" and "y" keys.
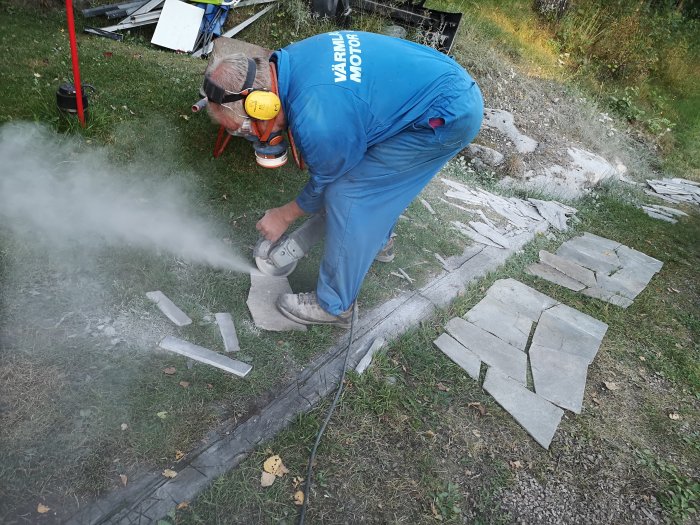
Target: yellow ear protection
{"x": 259, "y": 105}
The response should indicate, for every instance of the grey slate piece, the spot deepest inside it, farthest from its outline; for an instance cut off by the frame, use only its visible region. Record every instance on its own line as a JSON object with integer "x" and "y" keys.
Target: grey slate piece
{"x": 463, "y": 357}
{"x": 602, "y": 242}
{"x": 553, "y": 275}
{"x": 607, "y": 296}
{"x": 367, "y": 358}
{"x": 568, "y": 267}
{"x": 661, "y": 216}
{"x": 628, "y": 282}
{"x": 263, "y": 294}
{"x": 490, "y": 233}
{"x": 502, "y": 320}
{"x": 228, "y": 331}
{"x": 203, "y": 355}
{"x": 559, "y": 377}
{"x": 489, "y": 348}
{"x": 588, "y": 258}
{"x": 631, "y": 257}
{"x": 536, "y": 415}
{"x": 527, "y": 301}
{"x": 166, "y": 306}
{"x": 568, "y": 330}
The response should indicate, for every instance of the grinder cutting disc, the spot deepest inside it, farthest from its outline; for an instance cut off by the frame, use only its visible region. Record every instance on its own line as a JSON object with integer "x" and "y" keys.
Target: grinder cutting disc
{"x": 265, "y": 265}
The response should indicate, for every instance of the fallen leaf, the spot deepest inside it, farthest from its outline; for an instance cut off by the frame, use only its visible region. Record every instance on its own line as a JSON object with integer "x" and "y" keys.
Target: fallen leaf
{"x": 442, "y": 388}
{"x": 481, "y": 408}
{"x": 179, "y": 454}
{"x": 298, "y": 497}
{"x": 296, "y": 481}
{"x": 610, "y": 385}
{"x": 37, "y": 75}
{"x": 595, "y": 400}
{"x": 274, "y": 465}
{"x": 515, "y": 464}
{"x": 182, "y": 505}
{"x": 168, "y": 473}
{"x": 123, "y": 478}
{"x": 42, "y": 509}
{"x": 184, "y": 384}
{"x": 674, "y": 416}
{"x": 677, "y": 291}
{"x": 476, "y": 433}
{"x": 267, "y": 479}
{"x": 170, "y": 370}
{"x": 185, "y": 117}
{"x": 430, "y": 434}
{"x": 436, "y": 514}
{"x": 642, "y": 358}
{"x": 209, "y": 385}
{"x": 162, "y": 415}
{"x": 124, "y": 426}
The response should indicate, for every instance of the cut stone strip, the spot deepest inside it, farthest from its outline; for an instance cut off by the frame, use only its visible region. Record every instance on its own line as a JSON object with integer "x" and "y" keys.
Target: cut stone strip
{"x": 228, "y": 332}
{"x": 203, "y": 355}
{"x": 559, "y": 377}
{"x": 490, "y": 233}
{"x": 474, "y": 235}
{"x": 631, "y": 257}
{"x": 607, "y": 296}
{"x": 546, "y": 272}
{"x": 568, "y": 267}
{"x": 628, "y": 282}
{"x": 463, "y": 357}
{"x": 534, "y": 413}
{"x": 166, "y": 306}
{"x": 367, "y": 358}
{"x": 502, "y": 320}
{"x": 489, "y": 348}
{"x": 560, "y": 329}
{"x": 589, "y": 258}
{"x": 528, "y": 301}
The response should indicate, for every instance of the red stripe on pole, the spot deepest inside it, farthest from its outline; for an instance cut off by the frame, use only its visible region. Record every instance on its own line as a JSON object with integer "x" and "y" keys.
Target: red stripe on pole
{"x": 76, "y": 64}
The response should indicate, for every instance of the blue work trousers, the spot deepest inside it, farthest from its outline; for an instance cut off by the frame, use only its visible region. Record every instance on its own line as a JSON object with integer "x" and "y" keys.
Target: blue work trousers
{"x": 364, "y": 204}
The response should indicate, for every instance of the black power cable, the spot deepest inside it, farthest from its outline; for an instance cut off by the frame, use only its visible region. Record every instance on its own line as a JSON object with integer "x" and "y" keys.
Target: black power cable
{"x": 312, "y": 457}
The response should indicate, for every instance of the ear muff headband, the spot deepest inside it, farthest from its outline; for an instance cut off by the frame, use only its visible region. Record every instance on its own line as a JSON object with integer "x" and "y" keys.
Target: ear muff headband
{"x": 215, "y": 93}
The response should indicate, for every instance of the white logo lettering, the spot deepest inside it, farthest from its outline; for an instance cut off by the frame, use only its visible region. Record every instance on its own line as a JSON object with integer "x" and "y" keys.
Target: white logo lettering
{"x": 346, "y": 55}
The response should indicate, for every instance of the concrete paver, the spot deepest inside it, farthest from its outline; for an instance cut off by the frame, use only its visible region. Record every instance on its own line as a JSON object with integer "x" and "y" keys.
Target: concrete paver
{"x": 535, "y": 414}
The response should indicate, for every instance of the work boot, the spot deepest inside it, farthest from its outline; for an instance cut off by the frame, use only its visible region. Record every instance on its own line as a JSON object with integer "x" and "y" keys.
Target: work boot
{"x": 386, "y": 255}
{"x": 304, "y": 309}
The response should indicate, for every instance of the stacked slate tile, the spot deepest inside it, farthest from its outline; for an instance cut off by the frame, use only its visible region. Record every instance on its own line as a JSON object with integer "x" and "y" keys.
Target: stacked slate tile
{"x": 495, "y": 334}
{"x": 599, "y": 268}
{"x": 675, "y": 190}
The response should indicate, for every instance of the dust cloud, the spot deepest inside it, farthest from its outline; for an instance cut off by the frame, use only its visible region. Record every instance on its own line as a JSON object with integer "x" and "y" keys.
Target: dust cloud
{"x": 54, "y": 191}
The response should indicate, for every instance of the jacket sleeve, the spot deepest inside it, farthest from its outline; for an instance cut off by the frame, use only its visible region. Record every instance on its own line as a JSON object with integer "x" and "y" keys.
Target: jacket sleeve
{"x": 330, "y": 130}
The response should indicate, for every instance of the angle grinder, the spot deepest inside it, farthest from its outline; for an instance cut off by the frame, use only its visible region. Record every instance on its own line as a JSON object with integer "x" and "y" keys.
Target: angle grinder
{"x": 280, "y": 258}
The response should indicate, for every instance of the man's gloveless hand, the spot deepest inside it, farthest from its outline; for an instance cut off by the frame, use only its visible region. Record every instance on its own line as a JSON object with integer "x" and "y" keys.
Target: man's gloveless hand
{"x": 277, "y": 220}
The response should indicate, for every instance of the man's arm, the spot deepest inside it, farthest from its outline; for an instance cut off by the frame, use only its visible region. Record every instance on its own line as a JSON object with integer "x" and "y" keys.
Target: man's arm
{"x": 277, "y": 220}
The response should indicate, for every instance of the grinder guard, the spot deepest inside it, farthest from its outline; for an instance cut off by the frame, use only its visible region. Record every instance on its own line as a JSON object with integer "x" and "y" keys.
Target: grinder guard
{"x": 280, "y": 258}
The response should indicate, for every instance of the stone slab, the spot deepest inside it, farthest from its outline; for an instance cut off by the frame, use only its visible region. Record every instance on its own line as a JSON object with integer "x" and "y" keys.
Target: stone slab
{"x": 588, "y": 257}
{"x": 546, "y": 272}
{"x": 263, "y": 294}
{"x": 489, "y": 348}
{"x": 204, "y": 355}
{"x": 559, "y": 377}
{"x": 462, "y": 356}
{"x": 630, "y": 257}
{"x": 169, "y": 308}
{"x": 228, "y": 331}
{"x": 628, "y": 282}
{"x": 607, "y": 296}
{"x": 527, "y": 301}
{"x": 568, "y": 267}
{"x": 367, "y": 358}
{"x": 490, "y": 233}
{"x": 602, "y": 242}
{"x": 560, "y": 330}
{"x": 536, "y": 415}
{"x": 501, "y": 320}
{"x": 504, "y": 122}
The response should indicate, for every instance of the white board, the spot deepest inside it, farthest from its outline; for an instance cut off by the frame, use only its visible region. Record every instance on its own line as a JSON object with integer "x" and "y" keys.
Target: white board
{"x": 178, "y": 26}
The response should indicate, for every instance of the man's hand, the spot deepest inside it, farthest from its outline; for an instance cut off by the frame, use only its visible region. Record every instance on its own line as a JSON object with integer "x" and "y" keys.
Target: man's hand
{"x": 277, "y": 220}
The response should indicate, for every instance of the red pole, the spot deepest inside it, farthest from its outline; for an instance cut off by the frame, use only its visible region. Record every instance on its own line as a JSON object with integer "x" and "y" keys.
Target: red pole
{"x": 76, "y": 64}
